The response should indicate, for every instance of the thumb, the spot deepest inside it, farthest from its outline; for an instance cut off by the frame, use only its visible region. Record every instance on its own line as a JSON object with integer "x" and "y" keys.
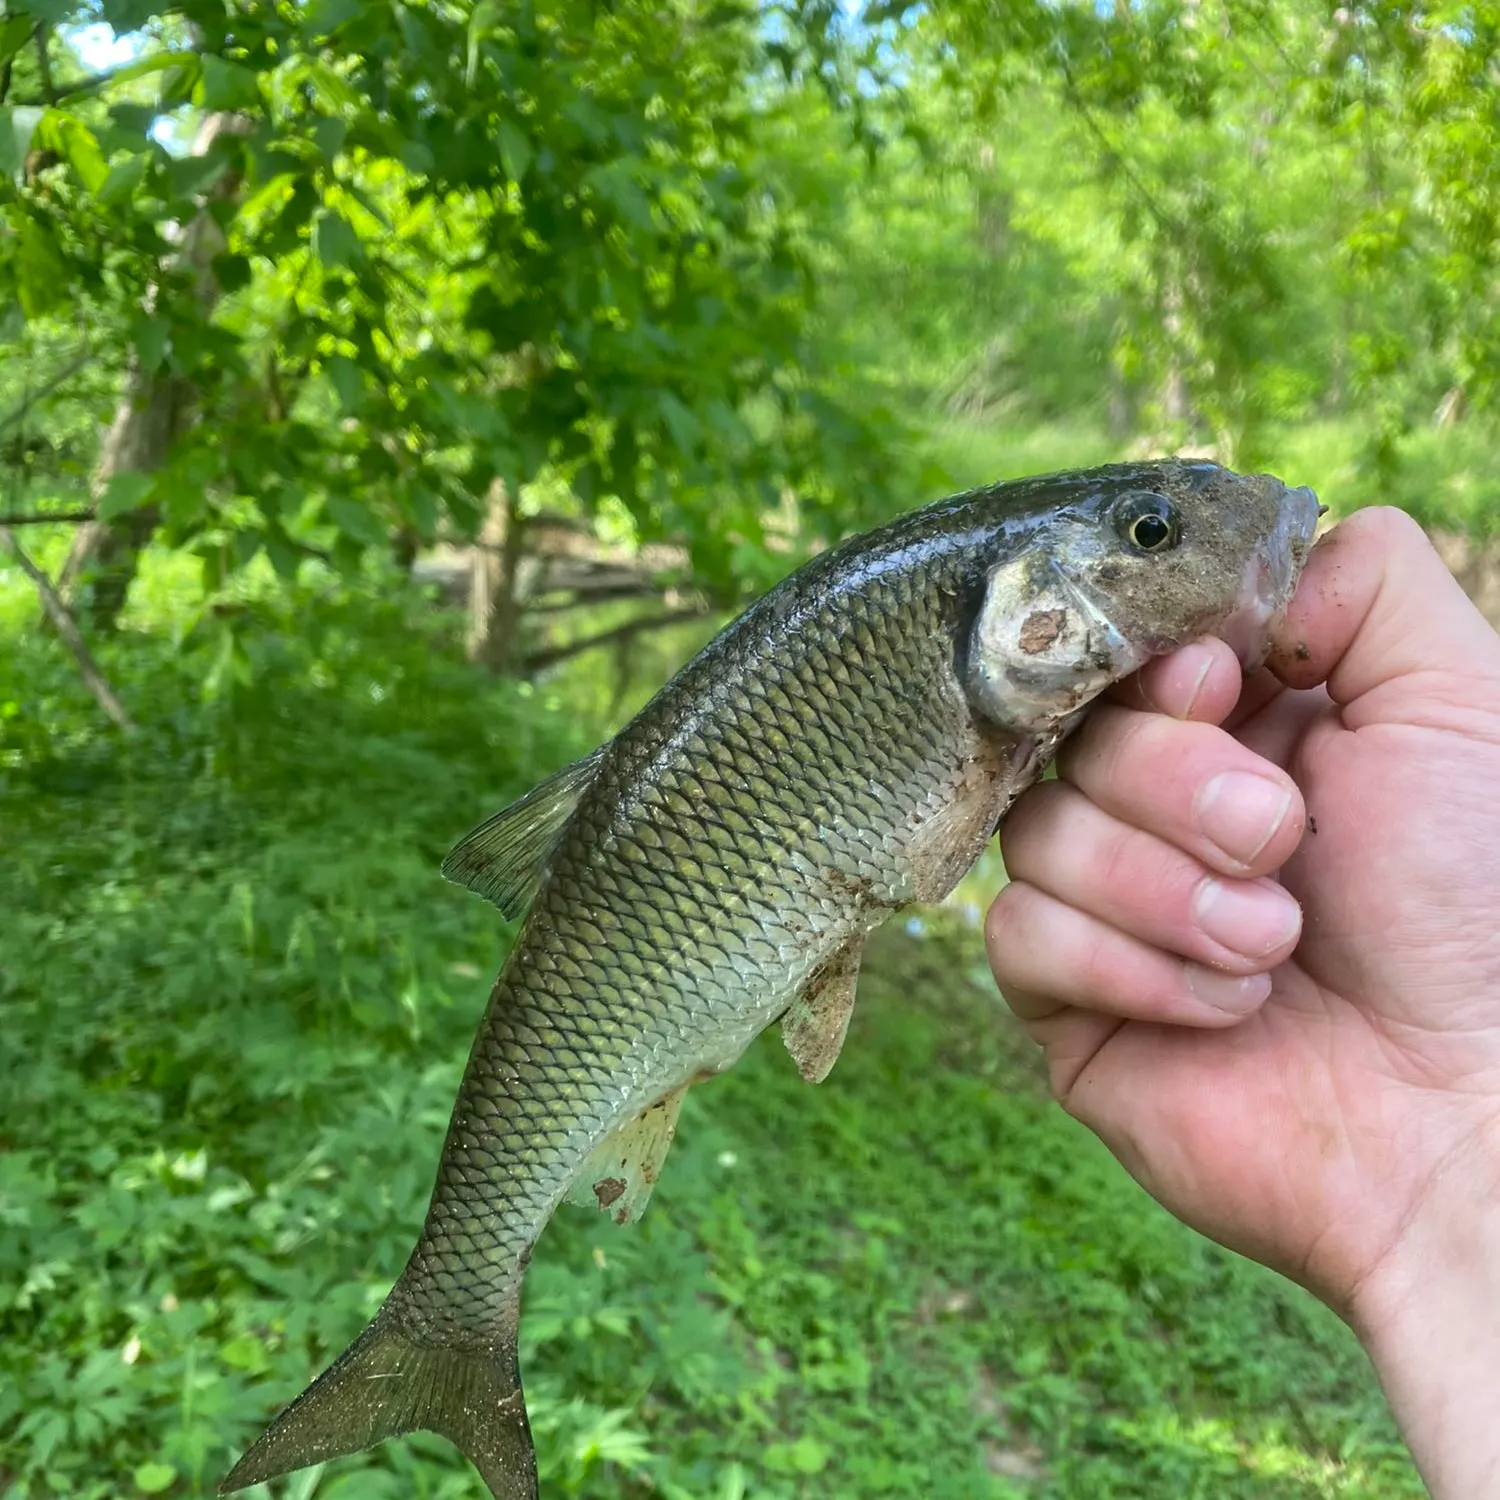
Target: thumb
{"x": 1378, "y": 617}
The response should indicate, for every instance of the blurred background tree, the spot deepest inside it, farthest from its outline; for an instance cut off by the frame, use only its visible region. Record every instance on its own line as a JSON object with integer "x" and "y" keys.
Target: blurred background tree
{"x": 392, "y": 392}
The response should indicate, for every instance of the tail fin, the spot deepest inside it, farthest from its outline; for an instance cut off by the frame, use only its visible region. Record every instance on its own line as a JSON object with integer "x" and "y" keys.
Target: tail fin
{"x": 382, "y": 1385}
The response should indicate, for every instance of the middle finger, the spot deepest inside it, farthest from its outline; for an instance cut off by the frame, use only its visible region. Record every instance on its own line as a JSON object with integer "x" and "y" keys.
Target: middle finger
{"x": 1193, "y": 785}
{"x": 1057, "y": 840}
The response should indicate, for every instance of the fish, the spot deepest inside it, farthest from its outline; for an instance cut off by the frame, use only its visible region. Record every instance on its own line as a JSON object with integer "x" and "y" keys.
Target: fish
{"x": 846, "y": 747}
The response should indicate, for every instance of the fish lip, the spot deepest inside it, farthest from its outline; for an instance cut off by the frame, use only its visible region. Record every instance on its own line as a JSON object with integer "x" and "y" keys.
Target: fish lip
{"x": 1270, "y": 579}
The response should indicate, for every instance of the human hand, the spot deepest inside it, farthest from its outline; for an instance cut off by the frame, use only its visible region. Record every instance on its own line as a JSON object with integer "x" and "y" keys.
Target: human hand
{"x": 1319, "y": 1090}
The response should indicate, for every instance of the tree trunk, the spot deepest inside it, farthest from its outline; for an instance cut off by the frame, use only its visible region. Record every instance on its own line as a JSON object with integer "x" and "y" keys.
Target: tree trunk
{"x": 494, "y": 609}
{"x": 153, "y": 412}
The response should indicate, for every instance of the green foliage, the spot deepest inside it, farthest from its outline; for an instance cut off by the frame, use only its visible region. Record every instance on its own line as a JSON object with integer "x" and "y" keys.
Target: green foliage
{"x": 238, "y": 998}
{"x": 514, "y": 243}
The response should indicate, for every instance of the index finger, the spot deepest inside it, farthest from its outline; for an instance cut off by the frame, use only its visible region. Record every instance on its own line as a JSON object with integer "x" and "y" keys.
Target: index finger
{"x": 1375, "y": 606}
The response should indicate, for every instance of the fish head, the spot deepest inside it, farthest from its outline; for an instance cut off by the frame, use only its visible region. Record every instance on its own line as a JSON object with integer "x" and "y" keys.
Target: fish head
{"x": 1126, "y": 563}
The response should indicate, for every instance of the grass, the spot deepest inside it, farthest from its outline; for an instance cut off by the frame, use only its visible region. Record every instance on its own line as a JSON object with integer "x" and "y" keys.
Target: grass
{"x": 237, "y": 1001}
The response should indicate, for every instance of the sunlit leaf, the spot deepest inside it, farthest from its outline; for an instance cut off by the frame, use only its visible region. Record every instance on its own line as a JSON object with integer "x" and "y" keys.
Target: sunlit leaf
{"x": 153, "y": 1478}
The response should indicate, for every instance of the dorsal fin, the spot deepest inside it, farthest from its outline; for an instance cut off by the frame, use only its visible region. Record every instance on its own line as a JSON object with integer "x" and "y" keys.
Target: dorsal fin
{"x": 502, "y": 859}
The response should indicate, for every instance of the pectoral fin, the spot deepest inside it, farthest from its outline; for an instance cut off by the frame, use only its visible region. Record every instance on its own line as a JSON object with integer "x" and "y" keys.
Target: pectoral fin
{"x": 618, "y": 1176}
{"x": 503, "y": 859}
{"x": 815, "y": 1025}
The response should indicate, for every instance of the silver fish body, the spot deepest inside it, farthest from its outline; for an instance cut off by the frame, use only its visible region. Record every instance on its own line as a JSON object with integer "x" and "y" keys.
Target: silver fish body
{"x": 846, "y": 747}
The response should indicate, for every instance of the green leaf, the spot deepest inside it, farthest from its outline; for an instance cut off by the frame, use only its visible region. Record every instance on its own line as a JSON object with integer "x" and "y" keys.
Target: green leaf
{"x": 335, "y": 241}
{"x": 130, "y": 15}
{"x": 415, "y": 157}
{"x": 681, "y": 422}
{"x": 244, "y": 1352}
{"x": 150, "y": 339}
{"x": 331, "y": 90}
{"x": 232, "y": 272}
{"x": 39, "y": 281}
{"x": 118, "y": 188}
{"x": 348, "y": 380}
{"x": 808, "y": 1455}
{"x": 485, "y": 17}
{"x": 190, "y": 175}
{"x": 226, "y": 85}
{"x": 515, "y": 151}
{"x": 367, "y": 203}
{"x": 14, "y": 34}
{"x": 76, "y": 144}
{"x": 153, "y": 1478}
{"x": 189, "y": 65}
{"x": 328, "y": 135}
{"x": 355, "y": 519}
{"x": 127, "y": 491}
{"x": 325, "y": 16}
{"x": 17, "y": 126}
{"x": 55, "y": 12}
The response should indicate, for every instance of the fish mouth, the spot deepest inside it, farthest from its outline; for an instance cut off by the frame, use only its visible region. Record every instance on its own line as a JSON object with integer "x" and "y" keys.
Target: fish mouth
{"x": 1271, "y": 578}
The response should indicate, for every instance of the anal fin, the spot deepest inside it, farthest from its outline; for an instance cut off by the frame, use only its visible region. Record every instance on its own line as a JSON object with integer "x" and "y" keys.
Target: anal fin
{"x": 818, "y": 1019}
{"x": 620, "y": 1172}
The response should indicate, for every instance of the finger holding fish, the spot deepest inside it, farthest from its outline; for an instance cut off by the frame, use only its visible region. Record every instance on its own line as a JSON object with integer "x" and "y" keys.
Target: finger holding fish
{"x": 1048, "y": 955}
{"x": 1061, "y": 843}
{"x": 1200, "y": 681}
{"x": 1191, "y": 784}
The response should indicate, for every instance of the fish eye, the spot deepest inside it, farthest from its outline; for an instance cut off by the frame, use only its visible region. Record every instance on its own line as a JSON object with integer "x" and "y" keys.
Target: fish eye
{"x": 1147, "y": 522}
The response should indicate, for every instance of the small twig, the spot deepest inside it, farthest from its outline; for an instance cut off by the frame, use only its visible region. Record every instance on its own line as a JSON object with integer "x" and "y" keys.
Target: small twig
{"x": 61, "y": 518}
{"x": 586, "y": 598}
{"x": 554, "y": 654}
{"x": 68, "y": 371}
{"x": 67, "y": 628}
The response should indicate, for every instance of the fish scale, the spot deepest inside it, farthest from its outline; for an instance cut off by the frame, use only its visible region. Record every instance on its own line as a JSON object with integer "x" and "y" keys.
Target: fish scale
{"x": 843, "y": 748}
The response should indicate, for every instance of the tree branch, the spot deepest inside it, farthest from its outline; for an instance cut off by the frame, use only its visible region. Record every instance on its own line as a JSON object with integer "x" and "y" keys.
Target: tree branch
{"x": 586, "y": 598}
{"x": 92, "y": 82}
{"x": 44, "y": 64}
{"x": 67, "y": 628}
{"x": 554, "y": 654}
{"x": 57, "y": 518}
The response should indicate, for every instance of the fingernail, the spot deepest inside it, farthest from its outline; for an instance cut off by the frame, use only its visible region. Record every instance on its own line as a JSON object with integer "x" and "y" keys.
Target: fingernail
{"x": 1198, "y": 682}
{"x": 1241, "y": 812}
{"x": 1237, "y": 997}
{"x": 1251, "y": 917}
